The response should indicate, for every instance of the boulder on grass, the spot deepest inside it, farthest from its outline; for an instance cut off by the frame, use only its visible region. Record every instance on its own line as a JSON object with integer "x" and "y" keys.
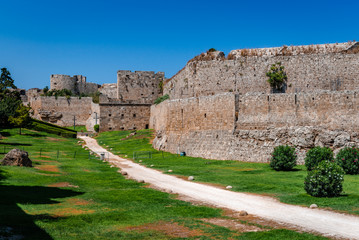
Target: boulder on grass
{"x": 17, "y": 157}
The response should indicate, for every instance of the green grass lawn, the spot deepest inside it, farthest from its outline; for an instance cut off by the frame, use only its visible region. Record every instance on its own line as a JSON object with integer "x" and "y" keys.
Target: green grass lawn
{"x": 256, "y": 178}
{"x": 74, "y": 196}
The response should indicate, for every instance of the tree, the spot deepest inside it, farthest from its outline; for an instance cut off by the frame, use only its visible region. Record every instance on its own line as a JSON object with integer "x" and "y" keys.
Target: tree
{"x": 22, "y": 117}
{"x": 9, "y": 99}
{"x": 5, "y": 80}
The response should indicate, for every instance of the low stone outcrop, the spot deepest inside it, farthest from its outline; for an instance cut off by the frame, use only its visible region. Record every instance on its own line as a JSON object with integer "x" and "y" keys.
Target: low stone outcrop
{"x": 17, "y": 157}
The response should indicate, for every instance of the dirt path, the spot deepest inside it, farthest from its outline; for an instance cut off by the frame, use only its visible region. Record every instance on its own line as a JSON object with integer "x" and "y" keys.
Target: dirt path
{"x": 327, "y": 223}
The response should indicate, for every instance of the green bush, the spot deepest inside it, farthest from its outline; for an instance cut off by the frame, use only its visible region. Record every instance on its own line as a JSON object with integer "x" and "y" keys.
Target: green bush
{"x": 317, "y": 154}
{"x": 96, "y": 127}
{"x": 325, "y": 180}
{"x": 283, "y": 158}
{"x": 347, "y": 158}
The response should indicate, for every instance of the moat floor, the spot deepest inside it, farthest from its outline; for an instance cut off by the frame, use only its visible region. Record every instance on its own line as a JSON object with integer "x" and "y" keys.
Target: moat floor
{"x": 327, "y": 223}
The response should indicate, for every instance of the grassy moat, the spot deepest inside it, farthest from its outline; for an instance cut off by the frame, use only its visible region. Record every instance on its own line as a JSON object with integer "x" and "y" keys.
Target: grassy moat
{"x": 69, "y": 194}
{"x": 256, "y": 178}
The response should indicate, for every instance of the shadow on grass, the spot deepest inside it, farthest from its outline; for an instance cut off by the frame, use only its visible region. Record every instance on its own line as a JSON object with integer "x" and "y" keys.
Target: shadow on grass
{"x": 5, "y": 134}
{"x": 34, "y": 134}
{"x": 15, "y": 144}
{"x": 14, "y": 218}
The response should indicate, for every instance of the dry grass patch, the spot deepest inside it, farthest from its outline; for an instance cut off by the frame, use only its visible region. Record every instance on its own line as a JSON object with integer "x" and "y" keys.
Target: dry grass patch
{"x": 170, "y": 229}
{"x": 78, "y": 202}
{"x": 65, "y": 212}
{"x": 38, "y": 156}
{"x": 233, "y": 224}
{"x": 62, "y": 184}
{"x": 48, "y": 168}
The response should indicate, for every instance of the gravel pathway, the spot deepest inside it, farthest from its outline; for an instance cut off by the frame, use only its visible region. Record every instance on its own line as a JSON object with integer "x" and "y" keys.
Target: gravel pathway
{"x": 327, "y": 223}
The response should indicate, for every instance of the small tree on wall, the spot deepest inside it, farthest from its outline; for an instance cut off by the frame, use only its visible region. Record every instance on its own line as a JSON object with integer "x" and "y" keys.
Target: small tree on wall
{"x": 277, "y": 77}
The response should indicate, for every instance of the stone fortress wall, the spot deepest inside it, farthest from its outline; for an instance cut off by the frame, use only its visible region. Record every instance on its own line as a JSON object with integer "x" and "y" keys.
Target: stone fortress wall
{"x": 139, "y": 86}
{"x": 333, "y": 67}
{"x": 213, "y": 116}
{"x": 61, "y": 110}
{"x": 76, "y": 84}
{"x": 136, "y": 92}
{"x": 124, "y": 105}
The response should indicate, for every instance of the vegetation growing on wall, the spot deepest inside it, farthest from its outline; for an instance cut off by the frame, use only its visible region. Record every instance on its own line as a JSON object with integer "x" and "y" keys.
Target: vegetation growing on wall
{"x": 68, "y": 93}
{"x": 277, "y": 77}
{"x": 161, "y": 99}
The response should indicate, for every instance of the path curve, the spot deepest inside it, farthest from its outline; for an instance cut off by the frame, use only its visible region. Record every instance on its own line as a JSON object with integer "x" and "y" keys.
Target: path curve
{"x": 327, "y": 223}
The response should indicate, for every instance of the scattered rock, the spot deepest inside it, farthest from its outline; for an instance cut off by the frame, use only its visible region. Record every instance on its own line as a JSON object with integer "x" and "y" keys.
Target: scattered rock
{"x": 152, "y": 165}
{"x": 170, "y": 170}
{"x": 229, "y": 187}
{"x": 17, "y": 157}
{"x": 313, "y": 206}
{"x": 123, "y": 172}
{"x": 125, "y": 155}
{"x": 341, "y": 140}
{"x": 141, "y": 181}
{"x": 243, "y": 213}
{"x": 190, "y": 178}
{"x": 140, "y": 161}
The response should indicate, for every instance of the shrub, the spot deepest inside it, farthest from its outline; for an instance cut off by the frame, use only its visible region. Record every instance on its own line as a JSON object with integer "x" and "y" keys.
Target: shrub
{"x": 347, "y": 158}
{"x": 325, "y": 180}
{"x": 317, "y": 154}
{"x": 161, "y": 99}
{"x": 96, "y": 127}
{"x": 283, "y": 158}
{"x": 277, "y": 77}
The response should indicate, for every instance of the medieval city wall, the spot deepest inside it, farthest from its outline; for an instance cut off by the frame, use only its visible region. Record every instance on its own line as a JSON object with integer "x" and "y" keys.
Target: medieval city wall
{"x": 248, "y": 127}
{"x": 139, "y": 86}
{"x": 333, "y": 67}
{"x": 115, "y": 116}
{"x": 61, "y": 110}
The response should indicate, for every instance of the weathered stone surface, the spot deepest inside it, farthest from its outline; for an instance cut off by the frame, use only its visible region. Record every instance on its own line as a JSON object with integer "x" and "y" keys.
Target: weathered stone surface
{"x": 141, "y": 87}
{"x": 248, "y": 127}
{"x": 17, "y": 157}
{"x": 76, "y": 84}
{"x": 309, "y": 68}
{"x": 61, "y": 110}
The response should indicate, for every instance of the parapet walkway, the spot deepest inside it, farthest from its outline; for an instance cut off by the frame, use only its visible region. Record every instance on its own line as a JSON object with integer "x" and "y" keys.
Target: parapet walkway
{"x": 327, "y": 223}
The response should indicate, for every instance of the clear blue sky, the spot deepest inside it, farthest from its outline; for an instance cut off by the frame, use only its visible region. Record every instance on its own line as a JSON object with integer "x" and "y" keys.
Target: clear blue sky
{"x": 96, "y": 38}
